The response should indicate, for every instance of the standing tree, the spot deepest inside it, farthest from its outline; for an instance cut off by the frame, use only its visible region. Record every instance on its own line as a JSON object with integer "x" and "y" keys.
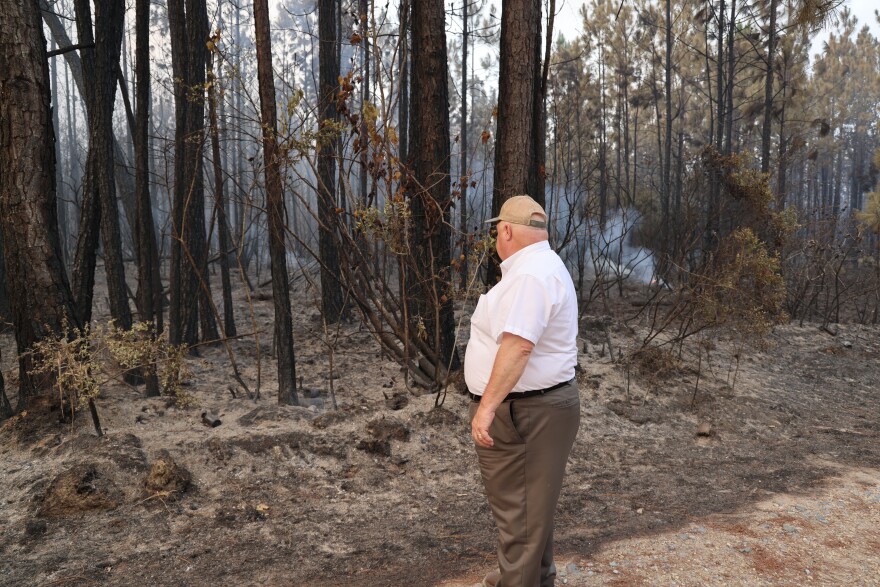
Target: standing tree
{"x": 666, "y": 191}
{"x": 430, "y": 157}
{"x": 39, "y": 294}
{"x": 190, "y": 305}
{"x": 197, "y": 288}
{"x": 149, "y": 293}
{"x": 275, "y": 209}
{"x": 99, "y": 206}
{"x": 518, "y": 82}
{"x": 124, "y": 179}
{"x": 463, "y": 175}
{"x": 223, "y": 236}
{"x": 519, "y": 126}
{"x": 331, "y": 290}
{"x": 768, "y": 89}
{"x": 363, "y": 138}
{"x": 403, "y": 103}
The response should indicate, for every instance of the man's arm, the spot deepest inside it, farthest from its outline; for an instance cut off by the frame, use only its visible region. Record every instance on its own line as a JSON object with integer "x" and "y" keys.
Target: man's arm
{"x": 510, "y": 363}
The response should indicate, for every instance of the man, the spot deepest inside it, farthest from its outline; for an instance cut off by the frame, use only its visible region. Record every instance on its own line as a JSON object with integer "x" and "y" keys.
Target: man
{"x": 519, "y": 369}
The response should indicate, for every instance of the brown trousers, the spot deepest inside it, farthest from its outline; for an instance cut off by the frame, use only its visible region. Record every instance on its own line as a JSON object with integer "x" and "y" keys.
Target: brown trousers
{"x": 522, "y": 475}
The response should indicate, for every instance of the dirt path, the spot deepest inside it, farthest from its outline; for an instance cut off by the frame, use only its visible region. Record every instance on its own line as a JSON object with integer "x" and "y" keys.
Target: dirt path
{"x": 386, "y": 492}
{"x": 828, "y": 536}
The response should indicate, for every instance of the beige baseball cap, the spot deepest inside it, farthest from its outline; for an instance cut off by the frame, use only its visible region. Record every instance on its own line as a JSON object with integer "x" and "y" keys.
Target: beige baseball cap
{"x": 522, "y": 210}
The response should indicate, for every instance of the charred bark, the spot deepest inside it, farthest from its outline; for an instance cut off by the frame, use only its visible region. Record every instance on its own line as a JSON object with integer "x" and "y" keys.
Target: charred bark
{"x": 226, "y": 249}
{"x": 518, "y": 77}
{"x": 519, "y": 123}
{"x": 332, "y": 304}
{"x": 463, "y": 175}
{"x": 768, "y": 90}
{"x": 275, "y": 209}
{"x": 149, "y": 290}
{"x": 39, "y": 294}
{"x": 124, "y": 179}
{"x": 197, "y": 286}
{"x": 430, "y": 194}
{"x": 191, "y": 306}
{"x": 99, "y": 209}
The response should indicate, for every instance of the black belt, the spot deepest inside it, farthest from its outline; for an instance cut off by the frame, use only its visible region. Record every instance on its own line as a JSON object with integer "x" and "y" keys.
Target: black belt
{"x": 524, "y": 394}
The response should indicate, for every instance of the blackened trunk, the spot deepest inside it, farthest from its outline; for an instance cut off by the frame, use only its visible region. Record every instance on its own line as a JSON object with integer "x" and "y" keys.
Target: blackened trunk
{"x": 191, "y": 304}
{"x": 520, "y": 34}
{"x": 603, "y": 143}
{"x": 667, "y": 148}
{"x": 517, "y": 80}
{"x": 331, "y": 290}
{"x": 109, "y": 21}
{"x": 197, "y": 287}
{"x": 39, "y": 294}
{"x": 83, "y": 278}
{"x": 223, "y": 238}
{"x": 403, "y": 106}
{"x": 100, "y": 209}
{"x": 364, "y": 140}
{"x": 63, "y": 225}
{"x": 179, "y": 322}
{"x": 710, "y": 236}
{"x": 538, "y": 148}
{"x": 464, "y": 176}
{"x": 75, "y": 65}
{"x": 731, "y": 81}
{"x": 275, "y": 209}
{"x": 429, "y": 115}
{"x": 768, "y": 91}
{"x": 148, "y": 294}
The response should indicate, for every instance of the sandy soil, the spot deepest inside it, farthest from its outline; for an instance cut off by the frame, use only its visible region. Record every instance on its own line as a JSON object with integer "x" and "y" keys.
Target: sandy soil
{"x": 783, "y": 490}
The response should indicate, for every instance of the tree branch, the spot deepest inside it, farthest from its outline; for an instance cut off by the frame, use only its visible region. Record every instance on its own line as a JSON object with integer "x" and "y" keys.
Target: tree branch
{"x": 70, "y": 48}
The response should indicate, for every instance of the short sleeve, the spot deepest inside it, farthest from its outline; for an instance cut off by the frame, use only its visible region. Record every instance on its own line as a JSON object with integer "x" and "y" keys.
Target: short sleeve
{"x": 527, "y": 306}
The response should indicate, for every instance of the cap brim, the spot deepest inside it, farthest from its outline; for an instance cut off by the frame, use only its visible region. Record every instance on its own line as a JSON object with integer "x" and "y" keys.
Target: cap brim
{"x": 532, "y": 223}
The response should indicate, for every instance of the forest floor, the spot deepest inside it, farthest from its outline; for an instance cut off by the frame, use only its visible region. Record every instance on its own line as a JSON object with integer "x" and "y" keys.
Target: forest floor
{"x": 771, "y": 479}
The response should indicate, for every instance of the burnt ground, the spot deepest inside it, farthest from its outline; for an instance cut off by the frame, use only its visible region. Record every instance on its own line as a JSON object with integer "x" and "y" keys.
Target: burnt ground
{"x": 385, "y": 490}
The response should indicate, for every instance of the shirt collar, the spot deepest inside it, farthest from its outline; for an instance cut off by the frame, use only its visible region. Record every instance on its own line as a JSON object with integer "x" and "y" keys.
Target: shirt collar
{"x": 515, "y": 258}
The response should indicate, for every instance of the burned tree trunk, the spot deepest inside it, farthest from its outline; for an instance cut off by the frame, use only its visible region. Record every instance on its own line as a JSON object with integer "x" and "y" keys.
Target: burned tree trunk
{"x": 39, "y": 294}
{"x": 190, "y": 305}
{"x": 517, "y": 81}
{"x": 197, "y": 287}
{"x": 124, "y": 179}
{"x": 463, "y": 175}
{"x": 180, "y": 323}
{"x": 429, "y": 116}
{"x": 99, "y": 208}
{"x": 275, "y": 209}
{"x": 149, "y": 290}
{"x": 220, "y": 207}
{"x": 520, "y": 127}
{"x": 768, "y": 90}
{"x": 332, "y": 305}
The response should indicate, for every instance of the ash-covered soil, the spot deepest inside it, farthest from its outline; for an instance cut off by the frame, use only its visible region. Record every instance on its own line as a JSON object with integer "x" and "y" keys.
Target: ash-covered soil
{"x": 772, "y": 479}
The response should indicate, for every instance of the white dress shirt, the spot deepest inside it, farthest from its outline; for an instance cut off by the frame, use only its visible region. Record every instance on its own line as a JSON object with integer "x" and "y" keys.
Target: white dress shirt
{"x": 536, "y": 300}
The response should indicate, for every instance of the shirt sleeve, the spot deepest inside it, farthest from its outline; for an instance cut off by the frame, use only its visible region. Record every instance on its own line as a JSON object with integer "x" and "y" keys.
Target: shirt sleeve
{"x": 528, "y": 307}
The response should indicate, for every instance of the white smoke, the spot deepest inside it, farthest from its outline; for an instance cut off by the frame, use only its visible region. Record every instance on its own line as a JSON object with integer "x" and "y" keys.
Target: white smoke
{"x": 608, "y": 252}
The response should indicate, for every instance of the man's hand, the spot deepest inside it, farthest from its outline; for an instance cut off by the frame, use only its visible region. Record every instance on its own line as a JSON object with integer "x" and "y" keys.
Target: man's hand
{"x": 480, "y": 427}
{"x": 510, "y": 362}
